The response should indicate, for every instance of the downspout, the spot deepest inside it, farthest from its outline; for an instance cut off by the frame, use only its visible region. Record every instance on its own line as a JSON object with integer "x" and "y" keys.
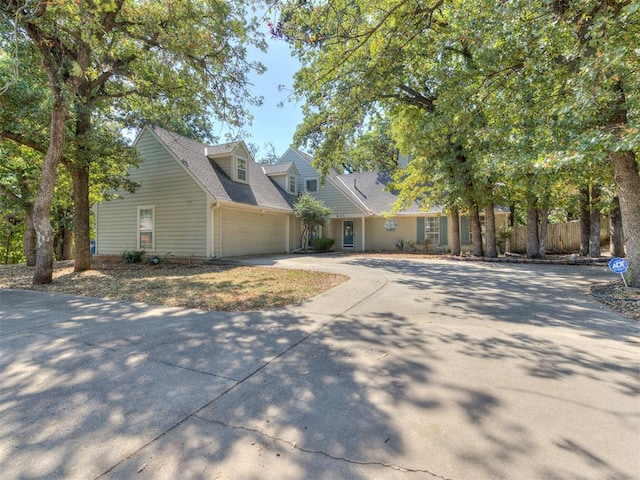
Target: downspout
{"x": 214, "y": 206}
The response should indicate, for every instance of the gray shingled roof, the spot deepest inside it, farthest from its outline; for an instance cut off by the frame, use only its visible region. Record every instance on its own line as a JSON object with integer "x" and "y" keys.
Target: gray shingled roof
{"x": 276, "y": 168}
{"x": 260, "y": 191}
{"x": 372, "y": 189}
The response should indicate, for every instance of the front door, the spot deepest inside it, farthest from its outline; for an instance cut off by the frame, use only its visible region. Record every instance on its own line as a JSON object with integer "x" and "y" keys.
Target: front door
{"x": 347, "y": 233}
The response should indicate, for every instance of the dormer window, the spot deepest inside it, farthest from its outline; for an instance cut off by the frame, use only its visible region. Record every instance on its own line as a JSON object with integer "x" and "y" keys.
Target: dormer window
{"x": 241, "y": 169}
{"x": 293, "y": 184}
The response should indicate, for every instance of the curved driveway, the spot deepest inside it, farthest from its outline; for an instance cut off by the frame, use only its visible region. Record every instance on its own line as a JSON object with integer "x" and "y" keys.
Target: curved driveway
{"x": 414, "y": 369}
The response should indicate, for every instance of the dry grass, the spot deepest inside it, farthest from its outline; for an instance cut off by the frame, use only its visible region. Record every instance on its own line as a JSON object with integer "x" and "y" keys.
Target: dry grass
{"x": 207, "y": 287}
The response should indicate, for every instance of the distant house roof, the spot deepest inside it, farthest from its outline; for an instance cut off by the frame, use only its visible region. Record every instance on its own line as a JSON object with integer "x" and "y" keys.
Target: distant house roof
{"x": 259, "y": 191}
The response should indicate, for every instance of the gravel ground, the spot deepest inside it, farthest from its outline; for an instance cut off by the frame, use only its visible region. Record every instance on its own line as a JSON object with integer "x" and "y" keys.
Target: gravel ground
{"x": 623, "y": 299}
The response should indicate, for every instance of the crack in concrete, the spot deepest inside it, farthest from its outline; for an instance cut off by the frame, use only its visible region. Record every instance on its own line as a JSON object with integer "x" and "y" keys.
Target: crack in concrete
{"x": 295, "y": 446}
{"x": 195, "y": 413}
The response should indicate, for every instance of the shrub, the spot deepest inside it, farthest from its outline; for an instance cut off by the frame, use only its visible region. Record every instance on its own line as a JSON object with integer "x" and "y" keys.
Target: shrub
{"x": 132, "y": 256}
{"x": 322, "y": 244}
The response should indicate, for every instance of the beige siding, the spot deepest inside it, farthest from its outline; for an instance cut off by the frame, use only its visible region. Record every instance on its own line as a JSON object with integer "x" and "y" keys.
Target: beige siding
{"x": 281, "y": 181}
{"x": 246, "y": 232}
{"x": 295, "y": 231}
{"x": 180, "y": 207}
{"x": 226, "y": 164}
{"x": 329, "y": 194}
{"x": 378, "y": 238}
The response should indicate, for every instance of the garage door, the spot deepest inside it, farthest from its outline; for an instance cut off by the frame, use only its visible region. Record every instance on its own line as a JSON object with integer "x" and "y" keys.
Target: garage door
{"x": 246, "y": 233}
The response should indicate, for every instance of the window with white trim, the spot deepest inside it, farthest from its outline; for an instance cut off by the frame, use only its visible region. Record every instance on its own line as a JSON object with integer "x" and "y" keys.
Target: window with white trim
{"x": 146, "y": 228}
{"x": 432, "y": 230}
{"x": 311, "y": 185}
{"x": 293, "y": 184}
{"x": 241, "y": 169}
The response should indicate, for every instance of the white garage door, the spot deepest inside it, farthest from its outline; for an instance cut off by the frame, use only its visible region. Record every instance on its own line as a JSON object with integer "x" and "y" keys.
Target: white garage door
{"x": 246, "y": 233}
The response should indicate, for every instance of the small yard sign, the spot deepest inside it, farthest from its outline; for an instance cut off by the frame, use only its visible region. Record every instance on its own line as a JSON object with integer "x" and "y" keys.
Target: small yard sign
{"x": 619, "y": 265}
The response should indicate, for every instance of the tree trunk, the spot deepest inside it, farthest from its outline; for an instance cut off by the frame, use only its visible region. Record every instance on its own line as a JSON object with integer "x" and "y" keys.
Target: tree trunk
{"x": 616, "y": 245}
{"x": 67, "y": 245}
{"x": 627, "y": 177}
{"x": 585, "y": 221}
{"x": 29, "y": 239}
{"x": 543, "y": 220}
{"x": 533, "y": 240}
{"x": 43, "y": 273}
{"x": 455, "y": 231}
{"x": 476, "y": 230}
{"x": 594, "y": 222}
{"x": 626, "y": 173}
{"x": 81, "y": 219}
{"x": 490, "y": 231}
{"x": 80, "y": 177}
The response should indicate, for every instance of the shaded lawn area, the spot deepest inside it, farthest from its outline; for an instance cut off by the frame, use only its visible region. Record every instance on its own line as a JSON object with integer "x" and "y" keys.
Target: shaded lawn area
{"x": 207, "y": 287}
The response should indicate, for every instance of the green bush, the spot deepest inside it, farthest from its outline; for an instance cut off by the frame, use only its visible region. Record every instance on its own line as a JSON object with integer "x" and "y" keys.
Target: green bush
{"x": 322, "y": 244}
{"x": 132, "y": 256}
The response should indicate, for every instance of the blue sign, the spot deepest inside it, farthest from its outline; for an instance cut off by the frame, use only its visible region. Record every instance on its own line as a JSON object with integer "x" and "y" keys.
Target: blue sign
{"x": 618, "y": 265}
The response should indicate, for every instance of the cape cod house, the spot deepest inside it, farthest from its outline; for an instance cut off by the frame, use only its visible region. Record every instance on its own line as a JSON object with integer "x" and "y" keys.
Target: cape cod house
{"x": 206, "y": 202}
{"x": 361, "y": 202}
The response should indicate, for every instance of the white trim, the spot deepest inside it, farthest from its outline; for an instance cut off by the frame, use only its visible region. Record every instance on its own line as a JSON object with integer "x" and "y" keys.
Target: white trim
{"x": 295, "y": 178}
{"x": 220, "y": 231}
{"x": 236, "y": 170}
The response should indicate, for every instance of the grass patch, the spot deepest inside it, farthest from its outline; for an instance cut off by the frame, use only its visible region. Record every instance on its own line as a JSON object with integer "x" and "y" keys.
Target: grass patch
{"x": 207, "y": 287}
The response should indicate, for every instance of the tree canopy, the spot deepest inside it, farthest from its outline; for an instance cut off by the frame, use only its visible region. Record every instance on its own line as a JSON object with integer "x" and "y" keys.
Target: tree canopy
{"x": 480, "y": 94}
{"x": 113, "y": 64}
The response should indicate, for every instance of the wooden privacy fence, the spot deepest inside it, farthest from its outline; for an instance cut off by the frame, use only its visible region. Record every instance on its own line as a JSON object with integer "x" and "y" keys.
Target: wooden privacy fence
{"x": 561, "y": 237}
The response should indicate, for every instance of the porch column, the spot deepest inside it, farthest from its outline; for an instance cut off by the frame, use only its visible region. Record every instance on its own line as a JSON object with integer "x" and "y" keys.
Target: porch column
{"x": 364, "y": 236}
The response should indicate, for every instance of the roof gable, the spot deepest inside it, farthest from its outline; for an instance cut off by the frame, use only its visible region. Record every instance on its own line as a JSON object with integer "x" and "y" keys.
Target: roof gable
{"x": 259, "y": 190}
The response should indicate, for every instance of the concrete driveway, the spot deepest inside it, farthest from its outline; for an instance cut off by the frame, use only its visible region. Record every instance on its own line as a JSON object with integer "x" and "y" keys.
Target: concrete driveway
{"x": 412, "y": 370}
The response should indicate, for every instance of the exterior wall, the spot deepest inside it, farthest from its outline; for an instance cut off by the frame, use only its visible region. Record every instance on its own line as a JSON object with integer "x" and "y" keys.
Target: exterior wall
{"x": 180, "y": 207}
{"x": 378, "y": 238}
{"x": 281, "y": 180}
{"x": 329, "y": 194}
{"x": 248, "y": 232}
{"x": 295, "y": 231}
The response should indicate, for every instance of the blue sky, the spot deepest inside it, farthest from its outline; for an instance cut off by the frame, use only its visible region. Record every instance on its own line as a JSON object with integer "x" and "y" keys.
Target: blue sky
{"x": 273, "y": 124}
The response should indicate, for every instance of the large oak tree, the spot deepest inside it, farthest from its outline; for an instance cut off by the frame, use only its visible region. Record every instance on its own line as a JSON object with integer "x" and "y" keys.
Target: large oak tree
{"x": 533, "y": 86}
{"x": 181, "y": 63}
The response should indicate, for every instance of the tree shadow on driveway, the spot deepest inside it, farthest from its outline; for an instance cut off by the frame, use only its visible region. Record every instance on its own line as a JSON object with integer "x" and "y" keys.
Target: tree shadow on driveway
{"x": 442, "y": 377}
